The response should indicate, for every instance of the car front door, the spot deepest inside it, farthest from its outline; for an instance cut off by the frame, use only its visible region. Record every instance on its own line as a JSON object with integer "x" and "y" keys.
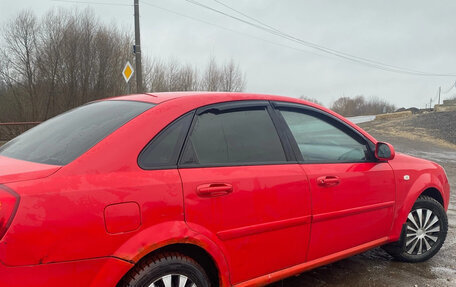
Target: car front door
{"x": 353, "y": 194}
{"x": 243, "y": 186}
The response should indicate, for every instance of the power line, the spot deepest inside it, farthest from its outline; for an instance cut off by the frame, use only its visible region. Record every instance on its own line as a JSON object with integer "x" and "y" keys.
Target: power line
{"x": 227, "y": 29}
{"x": 271, "y": 42}
{"x": 94, "y": 3}
{"x": 194, "y": 19}
{"x": 279, "y": 33}
{"x": 265, "y": 27}
{"x": 270, "y": 29}
{"x": 453, "y": 85}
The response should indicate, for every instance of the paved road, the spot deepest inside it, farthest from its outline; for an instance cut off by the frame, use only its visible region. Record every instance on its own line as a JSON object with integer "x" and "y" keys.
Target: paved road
{"x": 361, "y": 119}
{"x": 375, "y": 267}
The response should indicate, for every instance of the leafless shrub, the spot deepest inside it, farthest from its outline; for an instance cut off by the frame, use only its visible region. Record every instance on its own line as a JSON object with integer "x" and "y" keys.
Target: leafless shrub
{"x": 360, "y": 106}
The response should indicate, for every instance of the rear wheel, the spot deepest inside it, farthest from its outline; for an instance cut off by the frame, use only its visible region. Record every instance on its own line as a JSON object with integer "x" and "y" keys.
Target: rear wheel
{"x": 167, "y": 270}
{"x": 424, "y": 233}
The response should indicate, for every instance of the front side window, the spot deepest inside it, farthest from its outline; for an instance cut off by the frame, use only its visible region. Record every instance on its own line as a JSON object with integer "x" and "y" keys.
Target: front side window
{"x": 62, "y": 139}
{"x": 321, "y": 141}
{"x": 233, "y": 137}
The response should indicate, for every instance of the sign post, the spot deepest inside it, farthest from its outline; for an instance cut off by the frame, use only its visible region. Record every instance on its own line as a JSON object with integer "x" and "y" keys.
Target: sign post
{"x": 127, "y": 72}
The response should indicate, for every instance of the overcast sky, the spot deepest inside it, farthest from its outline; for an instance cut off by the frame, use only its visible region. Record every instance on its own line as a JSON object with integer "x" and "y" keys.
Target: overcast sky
{"x": 417, "y": 35}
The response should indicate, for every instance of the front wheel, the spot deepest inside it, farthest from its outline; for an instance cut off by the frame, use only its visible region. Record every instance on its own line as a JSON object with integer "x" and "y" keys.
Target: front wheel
{"x": 424, "y": 233}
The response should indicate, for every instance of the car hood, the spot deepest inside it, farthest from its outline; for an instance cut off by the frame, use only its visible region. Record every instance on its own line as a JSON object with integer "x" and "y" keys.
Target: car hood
{"x": 12, "y": 170}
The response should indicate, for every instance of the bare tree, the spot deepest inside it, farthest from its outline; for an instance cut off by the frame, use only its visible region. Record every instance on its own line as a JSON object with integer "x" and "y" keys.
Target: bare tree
{"x": 61, "y": 61}
{"x": 21, "y": 50}
{"x": 211, "y": 80}
{"x": 66, "y": 58}
{"x": 161, "y": 76}
{"x": 231, "y": 78}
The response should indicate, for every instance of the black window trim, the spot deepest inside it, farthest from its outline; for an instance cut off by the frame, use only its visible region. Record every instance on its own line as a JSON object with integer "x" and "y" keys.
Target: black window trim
{"x": 178, "y": 150}
{"x": 242, "y": 105}
{"x": 322, "y": 115}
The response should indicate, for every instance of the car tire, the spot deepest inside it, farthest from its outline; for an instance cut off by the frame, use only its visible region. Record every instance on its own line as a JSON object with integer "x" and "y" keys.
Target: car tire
{"x": 167, "y": 269}
{"x": 423, "y": 234}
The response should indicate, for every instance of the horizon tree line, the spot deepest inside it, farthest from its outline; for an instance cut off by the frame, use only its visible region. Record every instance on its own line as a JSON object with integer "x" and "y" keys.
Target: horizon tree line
{"x": 66, "y": 58}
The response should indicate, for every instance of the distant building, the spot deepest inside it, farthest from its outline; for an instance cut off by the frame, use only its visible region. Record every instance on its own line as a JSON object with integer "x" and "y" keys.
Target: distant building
{"x": 447, "y": 106}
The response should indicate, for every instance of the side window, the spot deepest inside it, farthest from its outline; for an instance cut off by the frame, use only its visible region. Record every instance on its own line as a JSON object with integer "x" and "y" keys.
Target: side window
{"x": 164, "y": 149}
{"x": 321, "y": 141}
{"x": 235, "y": 136}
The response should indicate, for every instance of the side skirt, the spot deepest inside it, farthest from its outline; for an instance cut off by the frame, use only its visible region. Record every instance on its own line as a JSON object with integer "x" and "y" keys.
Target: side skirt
{"x": 284, "y": 273}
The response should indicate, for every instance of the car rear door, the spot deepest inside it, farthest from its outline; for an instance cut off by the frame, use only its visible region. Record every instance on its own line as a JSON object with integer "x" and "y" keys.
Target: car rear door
{"x": 353, "y": 194}
{"x": 244, "y": 189}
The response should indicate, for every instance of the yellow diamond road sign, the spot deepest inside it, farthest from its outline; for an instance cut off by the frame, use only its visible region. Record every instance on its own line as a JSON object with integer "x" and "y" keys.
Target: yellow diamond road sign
{"x": 127, "y": 72}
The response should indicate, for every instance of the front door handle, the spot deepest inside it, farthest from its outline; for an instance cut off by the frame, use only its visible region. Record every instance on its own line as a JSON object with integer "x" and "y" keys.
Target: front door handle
{"x": 214, "y": 189}
{"x": 328, "y": 180}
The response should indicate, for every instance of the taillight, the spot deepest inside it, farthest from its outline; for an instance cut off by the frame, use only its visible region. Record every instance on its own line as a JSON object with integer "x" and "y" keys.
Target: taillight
{"x": 9, "y": 202}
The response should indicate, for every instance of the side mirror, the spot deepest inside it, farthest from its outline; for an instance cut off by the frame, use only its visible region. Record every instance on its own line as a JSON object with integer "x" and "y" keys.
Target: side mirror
{"x": 384, "y": 151}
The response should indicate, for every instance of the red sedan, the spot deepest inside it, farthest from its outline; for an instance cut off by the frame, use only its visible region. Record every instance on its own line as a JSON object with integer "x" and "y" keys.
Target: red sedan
{"x": 206, "y": 189}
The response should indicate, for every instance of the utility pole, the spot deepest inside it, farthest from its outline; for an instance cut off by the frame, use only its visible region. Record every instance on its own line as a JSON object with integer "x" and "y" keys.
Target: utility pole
{"x": 138, "y": 49}
{"x": 430, "y": 104}
{"x": 440, "y": 90}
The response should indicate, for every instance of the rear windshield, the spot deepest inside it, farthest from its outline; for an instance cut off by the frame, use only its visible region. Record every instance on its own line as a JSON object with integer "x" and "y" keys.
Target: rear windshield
{"x": 62, "y": 139}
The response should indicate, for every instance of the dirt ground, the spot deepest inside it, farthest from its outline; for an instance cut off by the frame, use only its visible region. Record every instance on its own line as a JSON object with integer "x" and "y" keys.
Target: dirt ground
{"x": 376, "y": 267}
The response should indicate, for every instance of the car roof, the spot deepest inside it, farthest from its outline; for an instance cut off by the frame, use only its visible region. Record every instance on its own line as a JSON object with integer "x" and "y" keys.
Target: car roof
{"x": 157, "y": 98}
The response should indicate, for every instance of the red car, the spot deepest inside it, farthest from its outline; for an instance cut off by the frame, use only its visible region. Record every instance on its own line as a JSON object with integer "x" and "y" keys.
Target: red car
{"x": 206, "y": 189}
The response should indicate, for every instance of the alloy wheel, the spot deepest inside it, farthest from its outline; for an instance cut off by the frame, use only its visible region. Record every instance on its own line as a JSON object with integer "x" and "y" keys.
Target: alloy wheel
{"x": 173, "y": 280}
{"x": 423, "y": 228}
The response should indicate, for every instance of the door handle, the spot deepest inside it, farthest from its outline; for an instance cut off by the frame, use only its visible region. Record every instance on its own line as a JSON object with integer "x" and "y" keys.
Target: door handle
{"x": 214, "y": 189}
{"x": 328, "y": 180}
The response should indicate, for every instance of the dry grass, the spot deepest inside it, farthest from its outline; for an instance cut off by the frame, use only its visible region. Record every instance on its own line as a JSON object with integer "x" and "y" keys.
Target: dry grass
{"x": 396, "y": 128}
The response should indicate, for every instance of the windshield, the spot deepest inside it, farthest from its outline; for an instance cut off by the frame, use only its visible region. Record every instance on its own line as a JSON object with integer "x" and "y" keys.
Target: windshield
{"x": 62, "y": 139}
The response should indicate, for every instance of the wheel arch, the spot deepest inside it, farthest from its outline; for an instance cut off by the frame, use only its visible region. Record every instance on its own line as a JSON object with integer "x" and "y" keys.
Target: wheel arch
{"x": 176, "y": 237}
{"x": 435, "y": 194}
{"x": 197, "y": 253}
{"x": 426, "y": 184}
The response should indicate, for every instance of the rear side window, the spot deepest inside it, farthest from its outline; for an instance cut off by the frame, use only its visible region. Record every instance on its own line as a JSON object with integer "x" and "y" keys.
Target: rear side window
{"x": 163, "y": 151}
{"x": 62, "y": 139}
{"x": 321, "y": 141}
{"x": 233, "y": 137}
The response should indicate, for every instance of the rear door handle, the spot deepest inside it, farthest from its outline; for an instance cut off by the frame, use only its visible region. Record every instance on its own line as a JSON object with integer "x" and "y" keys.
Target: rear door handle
{"x": 214, "y": 189}
{"x": 328, "y": 180}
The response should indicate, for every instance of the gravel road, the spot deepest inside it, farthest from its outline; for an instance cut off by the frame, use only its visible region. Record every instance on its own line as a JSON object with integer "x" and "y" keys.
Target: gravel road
{"x": 377, "y": 268}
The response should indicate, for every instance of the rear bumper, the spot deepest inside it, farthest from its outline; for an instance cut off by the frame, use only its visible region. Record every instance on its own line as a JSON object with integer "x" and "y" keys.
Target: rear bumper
{"x": 101, "y": 272}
